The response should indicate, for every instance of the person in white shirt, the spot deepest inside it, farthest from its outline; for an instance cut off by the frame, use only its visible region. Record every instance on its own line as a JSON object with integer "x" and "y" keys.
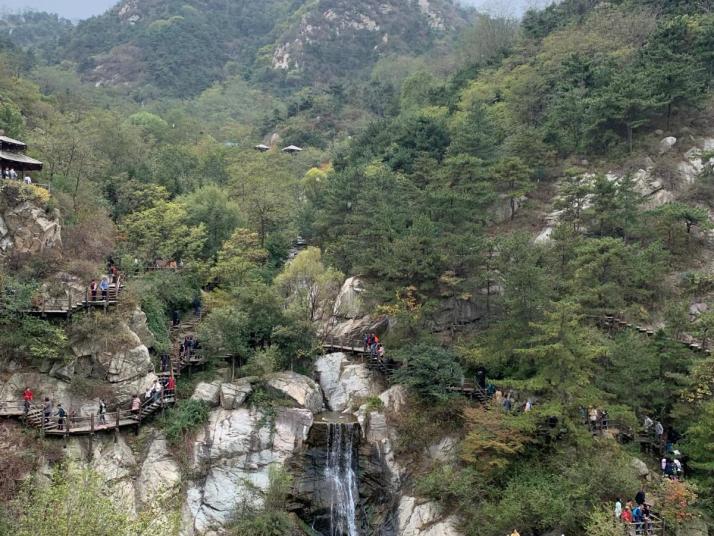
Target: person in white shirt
{"x": 618, "y": 508}
{"x": 28, "y": 179}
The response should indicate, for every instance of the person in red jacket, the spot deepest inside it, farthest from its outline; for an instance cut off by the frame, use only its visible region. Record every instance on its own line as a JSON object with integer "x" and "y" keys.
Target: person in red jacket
{"x": 171, "y": 385}
{"x": 627, "y": 515}
{"x": 27, "y": 397}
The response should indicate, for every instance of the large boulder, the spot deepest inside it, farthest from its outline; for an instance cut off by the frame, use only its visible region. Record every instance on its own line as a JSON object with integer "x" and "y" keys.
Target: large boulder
{"x": 639, "y": 467}
{"x": 424, "y": 519}
{"x": 345, "y": 384}
{"x": 138, "y": 324}
{"x": 208, "y": 392}
{"x": 232, "y": 395}
{"x": 160, "y": 475}
{"x": 666, "y": 144}
{"x": 394, "y": 399}
{"x": 350, "y": 303}
{"x": 236, "y": 451}
{"x": 121, "y": 354}
{"x": 300, "y": 388}
{"x": 26, "y": 227}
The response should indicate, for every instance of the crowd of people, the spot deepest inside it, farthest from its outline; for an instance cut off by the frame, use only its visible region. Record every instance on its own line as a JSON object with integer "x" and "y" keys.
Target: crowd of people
{"x": 636, "y": 513}
{"x": 373, "y": 346}
{"x": 165, "y": 386}
{"x": 11, "y": 174}
{"x": 101, "y": 288}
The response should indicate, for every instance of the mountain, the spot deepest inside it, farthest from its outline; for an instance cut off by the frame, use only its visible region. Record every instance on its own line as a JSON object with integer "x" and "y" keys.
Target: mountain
{"x": 181, "y": 48}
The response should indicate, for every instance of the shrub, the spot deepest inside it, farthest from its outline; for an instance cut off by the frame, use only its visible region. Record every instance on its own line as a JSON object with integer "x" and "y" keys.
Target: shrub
{"x": 429, "y": 370}
{"x": 184, "y": 418}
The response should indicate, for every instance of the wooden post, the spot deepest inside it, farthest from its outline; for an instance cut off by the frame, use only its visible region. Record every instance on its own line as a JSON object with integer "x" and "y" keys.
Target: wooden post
{"x": 67, "y": 421}
{"x": 86, "y": 298}
{"x": 91, "y": 436}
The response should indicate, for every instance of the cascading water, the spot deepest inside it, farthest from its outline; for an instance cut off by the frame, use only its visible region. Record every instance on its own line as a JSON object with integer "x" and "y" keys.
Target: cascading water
{"x": 341, "y": 477}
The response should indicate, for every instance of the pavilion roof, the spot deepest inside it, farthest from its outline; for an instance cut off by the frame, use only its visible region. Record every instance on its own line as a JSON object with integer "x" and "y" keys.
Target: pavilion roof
{"x": 10, "y": 141}
{"x": 21, "y": 160}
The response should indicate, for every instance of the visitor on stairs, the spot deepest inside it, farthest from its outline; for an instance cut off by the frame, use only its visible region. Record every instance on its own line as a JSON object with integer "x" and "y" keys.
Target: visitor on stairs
{"x": 93, "y": 290}
{"x": 618, "y": 508}
{"x": 659, "y": 431}
{"x": 197, "y": 306}
{"x": 104, "y": 287}
{"x": 148, "y": 394}
{"x": 156, "y": 391}
{"x": 102, "y": 411}
{"x": 171, "y": 385}
{"x": 27, "y": 397}
{"x": 380, "y": 351}
{"x": 176, "y": 318}
{"x": 47, "y": 410}
{"x": 61, "y": 415}
{"x": 135, "y": 405}
{"x": 114, "y": 273}
{"x": 164, "y": 362}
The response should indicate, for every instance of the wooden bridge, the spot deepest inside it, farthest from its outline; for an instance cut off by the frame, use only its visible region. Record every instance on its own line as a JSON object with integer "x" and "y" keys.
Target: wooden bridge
{"x": 70, "y": 307}
{"x": 383, "y": 364}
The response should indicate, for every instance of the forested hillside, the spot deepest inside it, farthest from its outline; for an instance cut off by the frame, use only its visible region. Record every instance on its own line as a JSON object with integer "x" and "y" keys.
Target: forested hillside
{"x": 520, "y": 211}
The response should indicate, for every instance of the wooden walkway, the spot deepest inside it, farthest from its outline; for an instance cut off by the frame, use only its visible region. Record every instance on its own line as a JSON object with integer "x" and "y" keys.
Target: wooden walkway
{"x": 115, "y": 420}
{"x": 71, "y": 307}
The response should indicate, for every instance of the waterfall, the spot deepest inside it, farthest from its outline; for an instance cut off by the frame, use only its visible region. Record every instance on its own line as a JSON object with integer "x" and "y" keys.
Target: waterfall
{"x": 341, "y": 477}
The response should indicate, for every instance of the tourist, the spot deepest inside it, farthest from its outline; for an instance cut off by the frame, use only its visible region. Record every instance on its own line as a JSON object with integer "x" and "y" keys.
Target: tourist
{"x": 498, "y": 397}
{"x": 646, "y": 515}
{"x": 13, "y": 173}
{"x": 176, "y": 318}
{"x": 528, "y": 406}
{"x": 604, "y": 420}
{"x": 648, "y": 424}
{"x": 104, "y": 287}
{"x": 156, "y": 391}
{"x": 367, "y": 342}
{"x": 637, "y": 519}
{"x": 114, "y": 273}
{"x": 197, "y": 306}
{"x": 47, "y": 410}
{"x": 93, "y": 290}
{"x": 27, "y": 179}
{"x": 61, "y": 415}
{"x": 27, "y": 397}
{"x": 618, "y": 508}
{"x": 507, "y": 403}
{"x": 592, "y": 416}
{"x": 627, "y": 515}
{"x": 102, "y": 411}
{"x": 678, "y": 471}
{"x": 659, "y": 431}
{"x": 171, "y": 385}
{"x": 164, "y": 362}
{"x": 135, "y": 405}
{"x": 663, "y": 464}
{"x": 373, "y": 346}
{"x": 640, "y": 497}
{"x": 380, "y": 351}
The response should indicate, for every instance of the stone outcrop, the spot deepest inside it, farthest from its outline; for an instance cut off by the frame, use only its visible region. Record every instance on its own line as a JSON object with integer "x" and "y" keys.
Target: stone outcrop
{"x": 424, "y": 519}
{"x": 120, "y": 354}
{"x": 208, "y": 392}
{"x": 235, "y": 453}
{"x": 345, "y": 385}
{"x": 160, "y": 475}
{"x": 350, "y": 302}
{"x": 300, "y": 388}
{"x": 25, "y": 226}
{"x": 232, "y": 395}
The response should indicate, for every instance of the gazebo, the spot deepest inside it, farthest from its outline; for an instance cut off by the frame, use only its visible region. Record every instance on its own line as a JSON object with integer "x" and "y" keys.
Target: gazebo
{"x": 262, "y": 148}
{"x": 11, "y": 157}
{"x": 292, "y": 149}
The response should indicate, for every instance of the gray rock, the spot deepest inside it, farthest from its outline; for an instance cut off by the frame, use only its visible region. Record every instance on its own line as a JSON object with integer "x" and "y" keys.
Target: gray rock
{"x": 350, "y": 300}
{"x": 640, "y": 467}
{"x": 63, "y": 371}
{"x": 345, "y": 384}
{"x": 232, "y": 395}
{"x": 394, "y": 399}
{"x": 208, "y": 392}
{"x": 424, "y": 519}
{"x": 298, "y": 387}
{"x": 160, "y": 475}
{"x": 138, "y": 324}
{"x": 666, "y": 144}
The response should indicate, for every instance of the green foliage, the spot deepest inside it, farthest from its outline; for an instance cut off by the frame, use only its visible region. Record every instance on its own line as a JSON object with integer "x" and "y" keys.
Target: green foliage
{"x": 78, "y": 505}
{"x": 429, "y": 370}
{"x": 184, "y": 418}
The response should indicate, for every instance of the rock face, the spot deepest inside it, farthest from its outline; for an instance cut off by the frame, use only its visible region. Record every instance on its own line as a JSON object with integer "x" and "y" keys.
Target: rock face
{"x": 25, "y": 226}
{"x": 160, "y": 476}
{"x": 300, "y": 388}
{"x": 235, "y": 454}
{"x": 208, "y": 392}
{"x": 345, "y": 385}
{"x": 232, "y": 395}
{"x": 424, "y": 519}
{"x": 350, "y": 300}
{"x": 127, "y": 359}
